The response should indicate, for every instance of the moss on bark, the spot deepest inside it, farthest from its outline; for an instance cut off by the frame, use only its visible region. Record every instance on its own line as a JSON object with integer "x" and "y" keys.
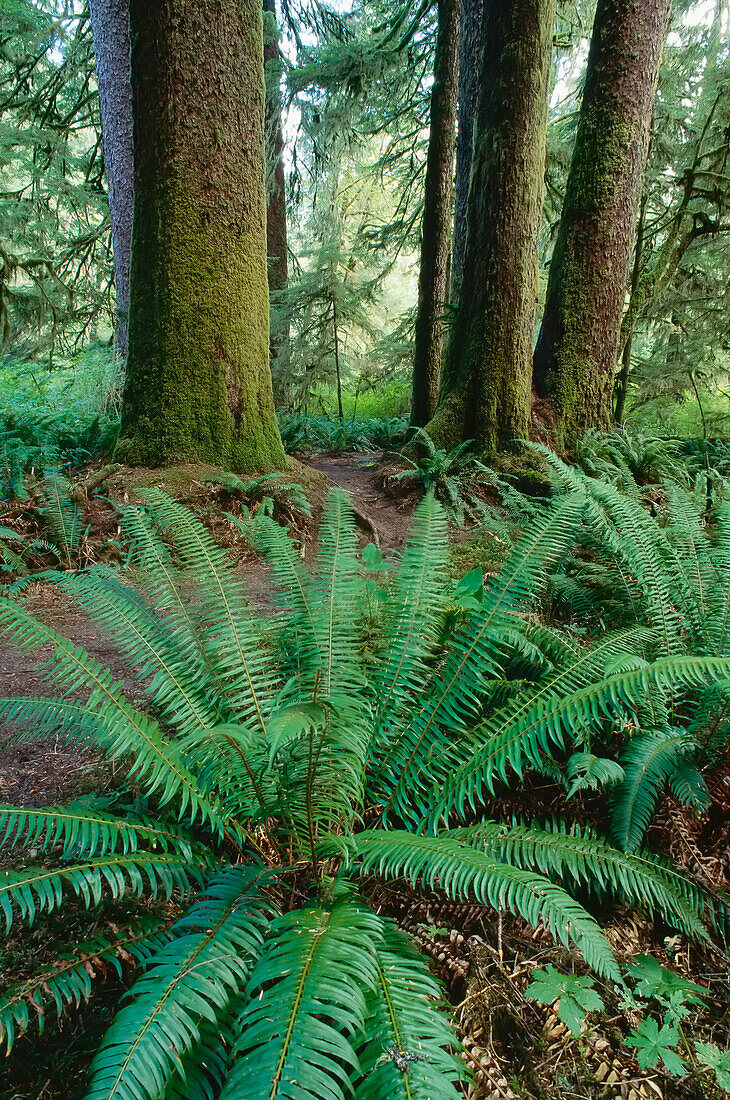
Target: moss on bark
{"x": 486, "y": 390}
{"x": 198, "y": 385}
{"x": 576, "y": 350}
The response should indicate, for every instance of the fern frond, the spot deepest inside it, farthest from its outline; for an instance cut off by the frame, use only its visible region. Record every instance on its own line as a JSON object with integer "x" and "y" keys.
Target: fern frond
{"x": 121, "y": 730}
{"x": 162, "y": 582}
{"x": 412, "y": 612}
{"x": 70, "y": 979}
{"x": 463, "y": 873}
{"x": 41, "y": 889}
{"x": 83, "y": 830}
{"x": 407, "y": 1049}
{"x": 648, "y": 760}
{"x": 306, "y": 1005}
{"x": 228, "y": 633}
{"x": 276, "y": 546}
{"x": 191, "y": 979}
{"x": 62, "y": 514}
{"x": 524, "y": 737}
{"x": 336, "y": 588}
{"x": 583, "y": 859}
{"x": 453, "y": 699}
{"x": 119, "y": 609}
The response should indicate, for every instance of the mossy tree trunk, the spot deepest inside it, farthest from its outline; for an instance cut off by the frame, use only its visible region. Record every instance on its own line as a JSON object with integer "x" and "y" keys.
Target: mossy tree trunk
{"x": 576, "y": 351}
{"x": 486, "y": 396}
{"x": 433, "y": 278}
{"x": 110, "y": 29}
{"x": 198, "y": 383}
{"x": 276, "y": 231}
{"x": 469, "y": 42}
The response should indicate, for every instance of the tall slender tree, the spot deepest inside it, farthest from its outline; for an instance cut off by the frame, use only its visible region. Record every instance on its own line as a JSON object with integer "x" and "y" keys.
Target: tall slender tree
{"x": 276, "y": 227}
{"x": 433, "y": 289}
{"x": 110, "y": 27}
{"x": 486, "y": 395}
{"x": 576, "y": 351}
{"x": 198, "y": 381}
{"x": 469, "y": 41}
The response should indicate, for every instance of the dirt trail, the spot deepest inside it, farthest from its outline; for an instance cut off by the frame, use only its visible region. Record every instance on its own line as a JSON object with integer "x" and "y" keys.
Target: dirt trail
{"x": 361, "y": 476}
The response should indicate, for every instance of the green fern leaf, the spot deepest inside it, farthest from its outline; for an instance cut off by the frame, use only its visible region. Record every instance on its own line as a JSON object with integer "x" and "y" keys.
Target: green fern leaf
{"x": 463, "y": 873}
{"x": 70, "y": 979}
{"x": 407, "y": 1051}
{"x": 306, "y": 1006}
{"x": 190, "y": 980}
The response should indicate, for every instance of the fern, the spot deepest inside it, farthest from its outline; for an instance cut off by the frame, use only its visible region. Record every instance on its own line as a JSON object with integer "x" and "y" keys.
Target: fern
{"x": 462, "y": 872}
{"x": 405, "y": 1055}
{"x": 192, "y": 978}
{"x": 63, "y": 516}
{"x": 306, "y": 1002}
{"x": 70, "y": 979}
{"x": 264, "y": 747}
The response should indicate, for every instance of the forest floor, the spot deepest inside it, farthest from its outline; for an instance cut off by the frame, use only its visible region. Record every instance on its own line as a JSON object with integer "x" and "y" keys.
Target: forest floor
{"x": 517, "y": 1049}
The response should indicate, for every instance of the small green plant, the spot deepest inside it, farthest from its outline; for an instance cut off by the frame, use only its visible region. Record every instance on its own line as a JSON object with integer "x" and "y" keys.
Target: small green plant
{"x": 573, "y": 995}
{"x": 452, "y": 476}
{"x": 11, "y": 560}
{"x": 717, "y": 1061}
{"x": 271, "y": 492}
{"x": 654, "y": 1044}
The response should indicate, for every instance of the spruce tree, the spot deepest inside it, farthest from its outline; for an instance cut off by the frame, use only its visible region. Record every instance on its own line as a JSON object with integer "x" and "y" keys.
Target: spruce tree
{"x": 577, "y": 346}
{"x": 110, "y": 24}
{"x": 198, "y": 384}
{"x": 486, "y": 392}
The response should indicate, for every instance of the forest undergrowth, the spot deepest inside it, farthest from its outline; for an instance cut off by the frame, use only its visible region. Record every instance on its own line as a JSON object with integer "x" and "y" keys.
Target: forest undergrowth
{"x": 582, "y": 758}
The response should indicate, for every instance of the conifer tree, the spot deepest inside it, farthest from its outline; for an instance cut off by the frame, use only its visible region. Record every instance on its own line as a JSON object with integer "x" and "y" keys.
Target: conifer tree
{"x": 198, "y": 383}
{"x": 576, "y": 350}
{"x": 433, "y": 289}
{"x": 486, "y": 395}
{"x": 276, "y": 227}
{"x": 110, "y": 25}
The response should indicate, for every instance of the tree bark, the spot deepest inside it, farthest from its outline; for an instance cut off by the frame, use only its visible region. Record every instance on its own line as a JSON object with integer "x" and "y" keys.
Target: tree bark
{"x": 198, "y": 384}
{"x": 433, "y": 289}
{"x": 276, "y": 231}
{"x": 110, "y": 30}
{"x": 624, "y": 375}
{"x": 469, "y": 42}
{"x": 576, "y": 350}
{"x": 487, "y": 397}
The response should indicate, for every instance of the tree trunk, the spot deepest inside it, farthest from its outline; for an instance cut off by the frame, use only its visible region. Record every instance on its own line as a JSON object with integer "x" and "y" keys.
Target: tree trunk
{"x": 624, "y": 375}
{"x": 433, "y": 289}
{"x": 469, "y": 42}
{"x": 276, "y": 235}
{"x": 110, "y": 29}
{"x": 488, "y": 395}
{"x": 576, "y": 350}
{"x": 198, "y": 383}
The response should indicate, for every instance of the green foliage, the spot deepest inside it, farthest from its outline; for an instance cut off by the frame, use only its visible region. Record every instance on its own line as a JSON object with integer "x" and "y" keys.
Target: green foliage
{"x": 320, "y": 433}
{"x": 717, "y": 1060}
{"x": 654, "y": 1045}
{"x": 452, "y": 476}
{"x": 574, "y": 993}
{"x": 264, "y": 747}
{"x": 271, "y": 492}
{"x": 664, "y": 565}
{"x": 673, "y": 992}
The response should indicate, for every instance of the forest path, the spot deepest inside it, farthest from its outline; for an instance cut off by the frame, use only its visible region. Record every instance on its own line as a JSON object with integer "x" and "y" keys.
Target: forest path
{"x": 362, "y": 476}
